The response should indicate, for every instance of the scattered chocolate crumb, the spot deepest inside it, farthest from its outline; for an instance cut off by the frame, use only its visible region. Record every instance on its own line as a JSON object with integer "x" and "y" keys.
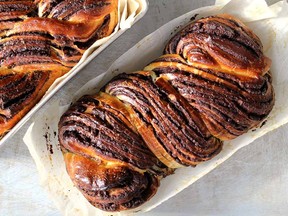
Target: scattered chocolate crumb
{"x": 175, "y": 30}
{"x": 46, "y": 137}
{"x": 177, "y": 27}
{"x": 253, "y": 130}
{"x": 51, "y": 149}
{"x": 115, "y": 71}
{"x": 263, "y": 123}
{"x": 55, "y": 134}
{"x": 48, "y": 143}
{"x": 58, "y": 145}
{"x": 193, "y": 17}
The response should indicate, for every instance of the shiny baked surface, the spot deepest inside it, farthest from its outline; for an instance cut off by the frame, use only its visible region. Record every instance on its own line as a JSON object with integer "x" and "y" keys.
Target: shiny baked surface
{"x": 223, "y": 74}
{"x": 41, "y": 41}
{"x": 211, "y": 84}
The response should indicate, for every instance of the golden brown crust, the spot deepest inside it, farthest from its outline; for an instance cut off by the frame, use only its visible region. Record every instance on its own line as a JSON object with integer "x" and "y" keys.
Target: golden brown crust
{"x": 221, "y": 43}
{"x": 110, "y": 187}
{"x": 48, "y": 42}
{"x": 212, "y": 84}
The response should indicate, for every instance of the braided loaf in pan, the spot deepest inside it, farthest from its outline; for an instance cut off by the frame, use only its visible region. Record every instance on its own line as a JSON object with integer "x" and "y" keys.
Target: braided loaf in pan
{"x": 212, "y": 84}
{"x": 42, "y": 40}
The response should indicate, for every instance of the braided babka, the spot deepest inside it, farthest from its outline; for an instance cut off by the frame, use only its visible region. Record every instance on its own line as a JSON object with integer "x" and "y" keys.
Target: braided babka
{"x": 42, "y": 40}
{"x": 212, "y": 84}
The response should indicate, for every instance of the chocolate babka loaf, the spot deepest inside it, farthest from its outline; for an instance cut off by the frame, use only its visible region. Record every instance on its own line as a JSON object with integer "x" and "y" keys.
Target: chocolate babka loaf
{"x": 42, "y": 40}
{"x": 212, "y": 84}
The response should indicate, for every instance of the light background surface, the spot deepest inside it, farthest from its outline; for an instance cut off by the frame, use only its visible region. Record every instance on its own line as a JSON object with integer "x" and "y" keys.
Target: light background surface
{"x": 252, "y": 182}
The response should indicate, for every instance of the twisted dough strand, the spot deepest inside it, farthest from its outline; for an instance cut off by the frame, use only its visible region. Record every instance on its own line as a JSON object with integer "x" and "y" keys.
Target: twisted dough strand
{"x": 228, "y": 106}
{"x": 222, "y": 43}
{"x": 226, "y": 74}
{"x": 167, "y": 123}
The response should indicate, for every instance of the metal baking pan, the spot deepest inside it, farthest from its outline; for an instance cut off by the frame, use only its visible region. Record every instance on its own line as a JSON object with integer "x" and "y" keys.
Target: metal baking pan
{"x": 71, "y": 75}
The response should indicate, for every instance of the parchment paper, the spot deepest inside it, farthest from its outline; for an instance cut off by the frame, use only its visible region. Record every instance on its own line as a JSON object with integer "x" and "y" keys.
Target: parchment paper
{"x": 269, "y": 23}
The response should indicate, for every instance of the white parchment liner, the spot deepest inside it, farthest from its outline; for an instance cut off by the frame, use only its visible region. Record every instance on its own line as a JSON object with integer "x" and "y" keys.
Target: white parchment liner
{"x": 269, "y": 23}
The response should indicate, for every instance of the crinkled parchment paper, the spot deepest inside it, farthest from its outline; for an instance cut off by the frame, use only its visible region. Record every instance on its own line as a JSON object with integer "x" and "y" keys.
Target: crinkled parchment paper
{"x": 129, "y": 11}
{"x": 269, "y": 23}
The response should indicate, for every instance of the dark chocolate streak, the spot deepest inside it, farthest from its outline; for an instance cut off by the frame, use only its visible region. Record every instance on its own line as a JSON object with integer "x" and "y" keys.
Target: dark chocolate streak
{"x": 172, "y": 124}
{"x": 226, "y": 37}
{"x": 138, "y": 190}
{"x": 20, "y": 6}
{"x": 52, "y": 4}
{"x": 236, "y": 106}
{"x": 36, "y": 44}
{"x": 16, "y": 89}
{"x": 129, "y": 182}
{"x": 105, "y": 133}
{"x": 64, "y": 10}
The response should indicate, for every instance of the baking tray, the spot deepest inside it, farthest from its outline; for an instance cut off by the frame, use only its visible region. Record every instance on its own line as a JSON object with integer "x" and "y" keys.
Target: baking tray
{"x": 76, "y": 69}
